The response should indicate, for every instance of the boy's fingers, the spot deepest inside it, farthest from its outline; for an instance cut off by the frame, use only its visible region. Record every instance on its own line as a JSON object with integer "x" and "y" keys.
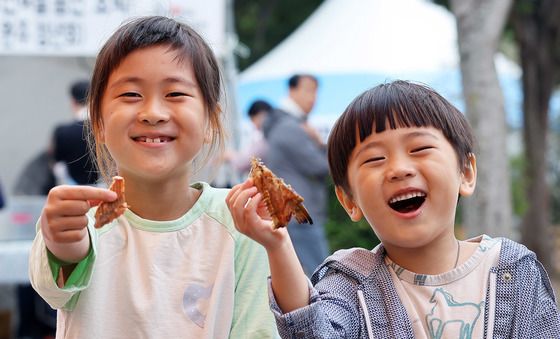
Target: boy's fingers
{"x": 243, "y": 196}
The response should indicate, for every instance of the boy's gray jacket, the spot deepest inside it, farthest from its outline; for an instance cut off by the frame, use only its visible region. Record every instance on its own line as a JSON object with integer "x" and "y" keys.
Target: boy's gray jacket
{"x": 354, "y": 297}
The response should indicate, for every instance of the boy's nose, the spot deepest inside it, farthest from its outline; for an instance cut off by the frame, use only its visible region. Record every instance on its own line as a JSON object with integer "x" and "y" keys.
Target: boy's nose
{"x": 401, "y": 173}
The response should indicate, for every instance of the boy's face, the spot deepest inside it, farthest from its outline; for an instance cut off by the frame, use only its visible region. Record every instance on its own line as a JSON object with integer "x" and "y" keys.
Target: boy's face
{"x": 406, "y": 182}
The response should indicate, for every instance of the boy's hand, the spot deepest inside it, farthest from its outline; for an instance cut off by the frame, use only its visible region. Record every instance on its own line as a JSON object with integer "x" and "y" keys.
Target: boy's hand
{"x": 251, "y": 216}
{"x": 64, "y": 221}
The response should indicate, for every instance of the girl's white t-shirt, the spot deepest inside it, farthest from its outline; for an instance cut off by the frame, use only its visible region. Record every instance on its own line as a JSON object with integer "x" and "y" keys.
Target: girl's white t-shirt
{"x": 451, "y": 304}
{"x": 194, "y": 277}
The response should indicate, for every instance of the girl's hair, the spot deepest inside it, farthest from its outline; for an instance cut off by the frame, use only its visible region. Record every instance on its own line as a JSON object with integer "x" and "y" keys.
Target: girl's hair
{"x": 397, "y": 104}
{"x": 145, "y": 32}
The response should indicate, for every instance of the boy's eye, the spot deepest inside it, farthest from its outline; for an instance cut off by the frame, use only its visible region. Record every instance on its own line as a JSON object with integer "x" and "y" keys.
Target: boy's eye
{"x": 374, "y": 159}
{"x": 420, "y": 149}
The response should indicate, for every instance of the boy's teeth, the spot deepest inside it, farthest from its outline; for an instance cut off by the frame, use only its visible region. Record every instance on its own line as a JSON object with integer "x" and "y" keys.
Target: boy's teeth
{"x": 406, "y": 196}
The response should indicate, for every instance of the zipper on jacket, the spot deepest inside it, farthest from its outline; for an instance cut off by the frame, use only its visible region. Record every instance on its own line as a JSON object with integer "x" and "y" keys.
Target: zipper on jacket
{"x": 491, "y": 305}
{"x": 365, "y": 312}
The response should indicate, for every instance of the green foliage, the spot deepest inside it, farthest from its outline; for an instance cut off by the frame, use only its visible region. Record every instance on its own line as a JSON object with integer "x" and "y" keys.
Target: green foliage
{"x": 518, "y": 185}
{"x": 261, "y": 25}
{"x": 343, "y": 232}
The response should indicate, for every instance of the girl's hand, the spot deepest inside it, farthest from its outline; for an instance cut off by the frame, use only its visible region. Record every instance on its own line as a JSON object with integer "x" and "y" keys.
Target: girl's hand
{"x": 251, "y": 216}
{"x": 64, "y": 221}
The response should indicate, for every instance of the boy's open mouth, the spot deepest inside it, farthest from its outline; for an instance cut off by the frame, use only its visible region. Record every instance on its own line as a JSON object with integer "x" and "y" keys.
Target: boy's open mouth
{"x": 407, "y": 202}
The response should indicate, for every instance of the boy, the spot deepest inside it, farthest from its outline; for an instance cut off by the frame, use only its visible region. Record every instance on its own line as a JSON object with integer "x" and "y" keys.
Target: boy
{"x": 400, "y": 156}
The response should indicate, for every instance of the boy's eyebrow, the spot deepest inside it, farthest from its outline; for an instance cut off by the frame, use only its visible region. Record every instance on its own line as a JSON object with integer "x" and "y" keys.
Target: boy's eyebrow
{"x": 420, "y": 134}
{"x": 409, "y": 135}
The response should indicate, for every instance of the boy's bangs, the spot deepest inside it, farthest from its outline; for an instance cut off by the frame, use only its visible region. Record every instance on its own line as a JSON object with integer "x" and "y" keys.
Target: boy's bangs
{"x": 397, "y": 111}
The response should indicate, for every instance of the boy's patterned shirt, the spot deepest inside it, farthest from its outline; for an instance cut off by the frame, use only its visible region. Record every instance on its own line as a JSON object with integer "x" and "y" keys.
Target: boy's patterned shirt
{"x": 439, "y": 306}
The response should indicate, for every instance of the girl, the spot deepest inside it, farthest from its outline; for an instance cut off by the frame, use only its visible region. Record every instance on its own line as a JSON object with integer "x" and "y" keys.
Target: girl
{"x": 173, "y": 265}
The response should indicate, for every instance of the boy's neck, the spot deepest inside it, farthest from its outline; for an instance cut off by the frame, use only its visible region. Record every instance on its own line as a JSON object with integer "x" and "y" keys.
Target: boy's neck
{"x": 433, "y": 259}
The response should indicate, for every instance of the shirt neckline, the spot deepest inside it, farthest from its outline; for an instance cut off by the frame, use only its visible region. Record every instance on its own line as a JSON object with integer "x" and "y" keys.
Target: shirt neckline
{"x": 485, "y": 243}
{"x": 173, "y": 225}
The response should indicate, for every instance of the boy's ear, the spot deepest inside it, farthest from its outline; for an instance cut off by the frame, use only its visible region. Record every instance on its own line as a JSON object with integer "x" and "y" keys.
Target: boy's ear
{"x": 468, "y": 177}
{"x": 354, "y": 212}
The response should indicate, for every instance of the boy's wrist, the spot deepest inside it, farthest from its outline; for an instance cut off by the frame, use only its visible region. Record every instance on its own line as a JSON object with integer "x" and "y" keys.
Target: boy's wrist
{"x": 280, "y": 247}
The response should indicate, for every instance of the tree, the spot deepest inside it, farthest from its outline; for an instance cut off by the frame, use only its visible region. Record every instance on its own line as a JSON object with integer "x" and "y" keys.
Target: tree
{"x": 479, "y": 27}
{"x": 261, "y": 25}
{"x": 537, "y": 29}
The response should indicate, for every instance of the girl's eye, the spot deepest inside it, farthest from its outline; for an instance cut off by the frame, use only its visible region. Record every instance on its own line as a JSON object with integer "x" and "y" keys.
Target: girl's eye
{"x": 176, "y": 94}
{"x": 130, "y": 95}
{"x": 420, "y": 149}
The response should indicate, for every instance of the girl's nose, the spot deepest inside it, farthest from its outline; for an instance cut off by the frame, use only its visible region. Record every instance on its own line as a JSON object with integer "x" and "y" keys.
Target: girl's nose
{"x": 153, "y": 114}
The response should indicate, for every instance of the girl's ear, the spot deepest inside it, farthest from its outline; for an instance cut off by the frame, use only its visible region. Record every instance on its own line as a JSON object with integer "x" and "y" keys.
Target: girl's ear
{"x": 211, "y": 124}
{"x": 208, "y": 135}
{"x": 354, "y": 212}
{"x": 468, "y": 177}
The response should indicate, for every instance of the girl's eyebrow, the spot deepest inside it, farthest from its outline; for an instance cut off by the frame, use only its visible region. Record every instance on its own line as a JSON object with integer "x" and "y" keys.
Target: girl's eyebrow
{"x": 172, "y": 79}
{"x": 125, "y": 80}
{"x": 182, "y": 80}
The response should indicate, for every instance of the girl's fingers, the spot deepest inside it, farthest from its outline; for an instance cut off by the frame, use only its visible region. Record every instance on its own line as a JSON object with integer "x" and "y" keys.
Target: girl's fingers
{"x": 69, "y": 223}
{"x": 82, "y": 193}
{"x": 70, "y": 236}
{"x": 71, "y": 207}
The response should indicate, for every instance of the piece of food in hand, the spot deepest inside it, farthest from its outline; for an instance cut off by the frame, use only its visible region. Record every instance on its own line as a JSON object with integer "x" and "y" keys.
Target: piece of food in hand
{"x": 280, "y": 199}
{"x": 107, "y": 211}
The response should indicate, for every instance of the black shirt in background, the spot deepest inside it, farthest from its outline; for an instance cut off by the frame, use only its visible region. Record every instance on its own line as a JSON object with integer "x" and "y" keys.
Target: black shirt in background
{"x": 70, "y": 146}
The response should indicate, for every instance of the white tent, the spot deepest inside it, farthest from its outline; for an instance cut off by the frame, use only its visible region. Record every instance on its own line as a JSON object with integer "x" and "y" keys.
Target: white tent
{"x": 352, "y": 45}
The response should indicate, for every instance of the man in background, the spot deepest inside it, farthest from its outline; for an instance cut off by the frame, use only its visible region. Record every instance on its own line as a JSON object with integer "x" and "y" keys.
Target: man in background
{"x": 70, "y": 144}
{"x": 297, "y": 154}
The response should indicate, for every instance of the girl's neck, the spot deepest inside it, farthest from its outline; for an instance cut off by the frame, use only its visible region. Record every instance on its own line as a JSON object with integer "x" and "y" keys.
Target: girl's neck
{"x": 163, "y": 200}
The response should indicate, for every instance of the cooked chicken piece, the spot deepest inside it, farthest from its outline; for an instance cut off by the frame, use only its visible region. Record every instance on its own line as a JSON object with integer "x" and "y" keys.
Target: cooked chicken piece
{"x": 280, "y": 199}
{"x": 108, "y": 211}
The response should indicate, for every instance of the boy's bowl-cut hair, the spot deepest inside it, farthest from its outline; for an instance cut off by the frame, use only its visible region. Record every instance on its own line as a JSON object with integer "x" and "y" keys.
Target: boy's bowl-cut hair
{"x": 397, "y": 104}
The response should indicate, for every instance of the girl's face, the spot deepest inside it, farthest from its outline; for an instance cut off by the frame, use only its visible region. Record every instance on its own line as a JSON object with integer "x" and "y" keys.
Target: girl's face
{"x": 154, "y": 117}
{"x": 406, "y": 182}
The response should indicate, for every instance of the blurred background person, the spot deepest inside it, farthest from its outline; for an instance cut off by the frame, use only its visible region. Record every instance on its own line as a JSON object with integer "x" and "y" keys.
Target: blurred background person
{"x": 297, "y": 154}
{"x": 256, "y": 145}
{"x": 69, "y": 142}
{"x": 2, "y": 200}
